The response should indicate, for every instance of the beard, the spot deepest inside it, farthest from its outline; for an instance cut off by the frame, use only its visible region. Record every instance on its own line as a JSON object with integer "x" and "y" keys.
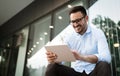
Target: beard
{"x": 78, "y": 28}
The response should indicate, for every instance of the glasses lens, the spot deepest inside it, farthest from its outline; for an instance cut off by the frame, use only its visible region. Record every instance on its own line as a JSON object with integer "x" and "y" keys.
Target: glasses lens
{"x": 77, "y": 20}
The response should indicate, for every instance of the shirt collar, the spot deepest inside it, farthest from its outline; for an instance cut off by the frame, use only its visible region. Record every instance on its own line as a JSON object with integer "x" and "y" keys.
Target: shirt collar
{"x": 88, "y": 31}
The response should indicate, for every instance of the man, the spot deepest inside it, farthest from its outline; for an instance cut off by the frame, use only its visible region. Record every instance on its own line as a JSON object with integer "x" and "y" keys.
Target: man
{"x": 89, "y": 47}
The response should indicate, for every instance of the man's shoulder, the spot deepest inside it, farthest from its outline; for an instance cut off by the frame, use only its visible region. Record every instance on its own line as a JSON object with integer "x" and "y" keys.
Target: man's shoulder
{"x": 96, "y": 30}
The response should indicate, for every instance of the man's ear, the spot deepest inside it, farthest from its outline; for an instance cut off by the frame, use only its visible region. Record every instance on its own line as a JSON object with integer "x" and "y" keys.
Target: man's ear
{"x": 86, "y": 17}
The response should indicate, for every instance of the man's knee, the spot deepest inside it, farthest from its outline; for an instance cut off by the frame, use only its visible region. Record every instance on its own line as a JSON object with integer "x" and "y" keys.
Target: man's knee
{"x": 102, "y": 69}
{"x": 50, "y": 70}
{"x": 51, "y": 66}
{"x": 103, "y": 64}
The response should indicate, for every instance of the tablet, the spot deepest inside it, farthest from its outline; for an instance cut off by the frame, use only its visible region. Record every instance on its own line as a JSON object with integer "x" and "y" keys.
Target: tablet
{"x": 62, "y": 51}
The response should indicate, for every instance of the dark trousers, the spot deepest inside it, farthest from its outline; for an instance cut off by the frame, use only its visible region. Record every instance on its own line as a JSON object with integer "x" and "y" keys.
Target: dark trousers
{"x": 101, "y": 69}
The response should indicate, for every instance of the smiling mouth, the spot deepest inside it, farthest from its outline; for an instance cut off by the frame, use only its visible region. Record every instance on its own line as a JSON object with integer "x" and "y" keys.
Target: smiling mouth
{"x": 78, "y": 27}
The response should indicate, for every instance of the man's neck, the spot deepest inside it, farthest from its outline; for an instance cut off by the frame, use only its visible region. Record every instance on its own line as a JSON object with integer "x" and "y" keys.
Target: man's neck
{"x": 83, "y": 31}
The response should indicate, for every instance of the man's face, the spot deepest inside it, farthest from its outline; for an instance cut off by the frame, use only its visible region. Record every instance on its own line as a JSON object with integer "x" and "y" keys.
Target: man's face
{"x": 79, "y": 22}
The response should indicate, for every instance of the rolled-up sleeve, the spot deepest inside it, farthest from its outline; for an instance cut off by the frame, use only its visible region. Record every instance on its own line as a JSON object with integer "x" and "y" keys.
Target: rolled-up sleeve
{"x": 103, "y": 49}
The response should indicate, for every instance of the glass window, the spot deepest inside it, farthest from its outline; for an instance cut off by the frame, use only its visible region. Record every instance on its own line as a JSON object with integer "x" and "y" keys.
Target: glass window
{"x": 39, "y": 36}
{"x": 61, "y": 20}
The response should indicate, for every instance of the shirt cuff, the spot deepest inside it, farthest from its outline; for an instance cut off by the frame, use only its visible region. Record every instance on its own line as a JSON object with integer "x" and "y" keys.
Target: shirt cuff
{"x": 98, "y": 56}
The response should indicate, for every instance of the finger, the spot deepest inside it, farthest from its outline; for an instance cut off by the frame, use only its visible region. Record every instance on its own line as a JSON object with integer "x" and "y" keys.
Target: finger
{"x": 51, "y": 56}
{"x": 51, "y": 59}
{"x": 54, "y": 56}
{"x": 49, "y": 53}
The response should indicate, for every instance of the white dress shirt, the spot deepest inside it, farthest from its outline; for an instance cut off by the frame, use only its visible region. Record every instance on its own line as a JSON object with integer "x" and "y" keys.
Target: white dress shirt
{"x": 92, "y": 42}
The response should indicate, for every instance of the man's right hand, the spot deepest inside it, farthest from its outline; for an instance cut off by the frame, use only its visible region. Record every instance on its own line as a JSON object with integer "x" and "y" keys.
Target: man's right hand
{"x": 51, "y": 57}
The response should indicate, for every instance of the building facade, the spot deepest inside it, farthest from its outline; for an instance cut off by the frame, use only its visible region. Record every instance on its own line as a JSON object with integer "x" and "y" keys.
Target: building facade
{"x": 21, "y": 47}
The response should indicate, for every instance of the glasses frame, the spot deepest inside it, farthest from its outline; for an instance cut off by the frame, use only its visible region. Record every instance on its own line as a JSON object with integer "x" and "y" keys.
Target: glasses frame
{"x": 77, "y": 20}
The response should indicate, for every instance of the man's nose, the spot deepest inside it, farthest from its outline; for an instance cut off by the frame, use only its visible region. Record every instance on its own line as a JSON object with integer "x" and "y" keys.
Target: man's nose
{"x": 76, "y": 24}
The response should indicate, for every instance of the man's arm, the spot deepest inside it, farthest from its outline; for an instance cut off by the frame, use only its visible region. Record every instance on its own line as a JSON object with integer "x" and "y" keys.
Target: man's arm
{"x": 103, "y": 49}
{"x": 87, "y": 58}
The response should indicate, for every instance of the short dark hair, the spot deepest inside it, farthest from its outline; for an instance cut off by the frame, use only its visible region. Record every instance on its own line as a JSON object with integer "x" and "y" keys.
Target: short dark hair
{"x": 77, "y": 9}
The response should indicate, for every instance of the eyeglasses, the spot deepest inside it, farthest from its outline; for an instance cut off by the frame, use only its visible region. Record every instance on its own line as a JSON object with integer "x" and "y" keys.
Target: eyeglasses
{"x": 77, "y": 20}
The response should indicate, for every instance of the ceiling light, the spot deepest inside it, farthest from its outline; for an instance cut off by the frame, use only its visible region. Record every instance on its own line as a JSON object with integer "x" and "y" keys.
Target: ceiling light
{"x": 28, "y": 53}
{"x": 34, "y": 45}
{"x": 116, "y": 44}
{"x": 60, "y": 17}
{"x": 32, "y": 49}
{"x": 107, "y": 33}
{"x": 51, "y": 26}
{"x": 8, "y": 45}
{"x": 41, "y": 38}
{"x": 37, "y": 42}
{"x": 45, "y": 33}
{"x": 69, "y": 6}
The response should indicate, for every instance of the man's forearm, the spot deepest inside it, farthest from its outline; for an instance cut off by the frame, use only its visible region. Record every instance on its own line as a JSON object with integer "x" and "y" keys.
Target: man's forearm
{"x": 89, "y": 58}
